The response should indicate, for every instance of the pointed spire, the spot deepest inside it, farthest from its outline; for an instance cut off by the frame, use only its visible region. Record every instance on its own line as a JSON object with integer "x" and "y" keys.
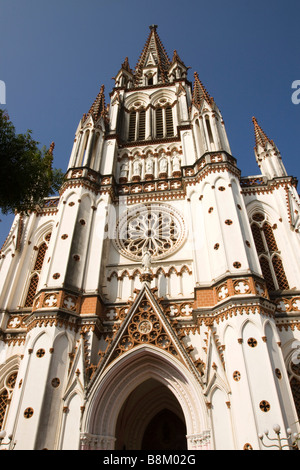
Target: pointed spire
{"x": 267, "y": 154}
{"x": 124, "y": 77}
{"x": 98, "y": 108}
{"x": 200, "y": 93}
{"x": 177, "y": 70}
{"x": 176, "y": 58}
{"x": 51, "y": 148}
{"x": 260, "y": 136}
{"x": 155, "y": 52}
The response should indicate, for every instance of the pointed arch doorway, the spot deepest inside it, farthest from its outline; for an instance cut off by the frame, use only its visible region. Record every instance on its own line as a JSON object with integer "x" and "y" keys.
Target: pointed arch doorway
{"x": 151, "y": 418}
{"x": 142, "y": 394}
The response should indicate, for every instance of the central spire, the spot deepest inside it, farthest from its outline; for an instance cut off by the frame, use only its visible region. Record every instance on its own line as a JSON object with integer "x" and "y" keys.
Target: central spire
{"x": 153, "y": 56}
{"x": 154, "y": 66}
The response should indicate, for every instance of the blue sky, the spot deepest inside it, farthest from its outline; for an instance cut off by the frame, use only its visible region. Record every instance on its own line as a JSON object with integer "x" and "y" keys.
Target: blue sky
{"x": 55, "y": 55}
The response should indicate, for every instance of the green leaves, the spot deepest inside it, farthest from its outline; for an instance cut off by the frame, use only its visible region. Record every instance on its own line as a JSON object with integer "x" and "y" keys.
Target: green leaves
{"x": 27, "y": 176}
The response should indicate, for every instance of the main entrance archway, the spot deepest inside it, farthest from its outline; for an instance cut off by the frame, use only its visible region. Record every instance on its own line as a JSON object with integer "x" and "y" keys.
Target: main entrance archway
{"x": 151, "y": 418}
{"x": 145, "y": 389}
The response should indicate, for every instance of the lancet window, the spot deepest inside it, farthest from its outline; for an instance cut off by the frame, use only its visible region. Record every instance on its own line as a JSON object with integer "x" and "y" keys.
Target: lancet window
{"x": 137, "y": 125}
{"x": 35, "y": 274}
{"x": 3, "y": 405}
{"x": 209, "y": 131}
{"x": 269, "y": 257}
{"x": 5, "y": 397}
{"x": 164, "y": 122}
{"x": 150, "y": 79}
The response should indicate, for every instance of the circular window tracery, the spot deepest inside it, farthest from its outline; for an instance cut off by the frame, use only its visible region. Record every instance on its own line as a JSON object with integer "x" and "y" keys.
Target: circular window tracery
{"x": 156, "y": 228}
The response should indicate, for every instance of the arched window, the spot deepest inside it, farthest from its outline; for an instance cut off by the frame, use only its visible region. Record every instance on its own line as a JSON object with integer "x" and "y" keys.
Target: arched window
{"x": 294, "y": 370}
{"x": 159, "y": 123}
{"x": 34, "y": 276}
{"x": 164, "y": 122}
{"x": 3, "y": 406}
{"x": 155, "y": 121}
{"x": 209, "y": 131}
{"x": 150, "y": 79}
{"x": 267, "y": 273}
{"x": 267, "y": 250}
{"x": 82, "y": 155}
{"x": 270, "y": 239}
{"x": 5, "y": 396}
{"x": 260, "y": 247}
{"x": 169, "y": 122}
{"x": 137, "y": 125}
{"x": 280, "y": 274}
{"x": 32, "y": 290}
{"x": 94, "y": 152}
{"x": 142, "y": 125}
{"x": 132, "y": 125}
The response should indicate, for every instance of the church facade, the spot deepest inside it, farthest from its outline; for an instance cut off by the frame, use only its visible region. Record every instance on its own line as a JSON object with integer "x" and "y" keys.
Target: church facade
{"x": 155, "y": 303}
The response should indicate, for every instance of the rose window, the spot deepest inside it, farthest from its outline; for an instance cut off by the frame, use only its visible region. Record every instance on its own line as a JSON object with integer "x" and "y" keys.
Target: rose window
{"x": 158, "y": 229}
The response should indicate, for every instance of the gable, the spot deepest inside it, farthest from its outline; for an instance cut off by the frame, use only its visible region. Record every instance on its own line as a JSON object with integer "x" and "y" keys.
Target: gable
{"x": 146, "y": 324}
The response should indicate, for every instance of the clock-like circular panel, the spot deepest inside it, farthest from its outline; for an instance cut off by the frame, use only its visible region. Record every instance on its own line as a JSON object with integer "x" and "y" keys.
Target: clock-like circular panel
{"x": 156, "y": 228}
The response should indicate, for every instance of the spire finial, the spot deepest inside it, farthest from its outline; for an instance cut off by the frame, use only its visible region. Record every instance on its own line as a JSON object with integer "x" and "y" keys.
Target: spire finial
{"x": 51, "y": 148}
{"x": 261, "y": 137}
{"x": 154, "y": 49}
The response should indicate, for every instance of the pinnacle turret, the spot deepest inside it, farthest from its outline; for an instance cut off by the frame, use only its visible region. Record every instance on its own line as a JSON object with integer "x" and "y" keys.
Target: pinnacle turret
{"x": 261, "y": 138}
{"x": 176, "y": 58}
{"x": 267, "y": 154}
{"x": 98, "y": 108}
{"x": 200, "y": 93}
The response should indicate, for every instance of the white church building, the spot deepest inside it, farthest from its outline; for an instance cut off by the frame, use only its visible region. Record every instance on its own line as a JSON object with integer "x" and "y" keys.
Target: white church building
{"x": 154, "y": 304}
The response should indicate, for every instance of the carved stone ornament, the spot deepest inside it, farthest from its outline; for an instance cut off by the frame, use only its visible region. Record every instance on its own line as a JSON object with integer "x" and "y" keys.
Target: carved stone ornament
{"x": 145, "y": 328}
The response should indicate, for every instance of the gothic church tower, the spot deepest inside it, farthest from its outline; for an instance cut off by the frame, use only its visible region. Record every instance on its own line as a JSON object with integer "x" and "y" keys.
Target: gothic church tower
{"x": 154, "y": 304}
